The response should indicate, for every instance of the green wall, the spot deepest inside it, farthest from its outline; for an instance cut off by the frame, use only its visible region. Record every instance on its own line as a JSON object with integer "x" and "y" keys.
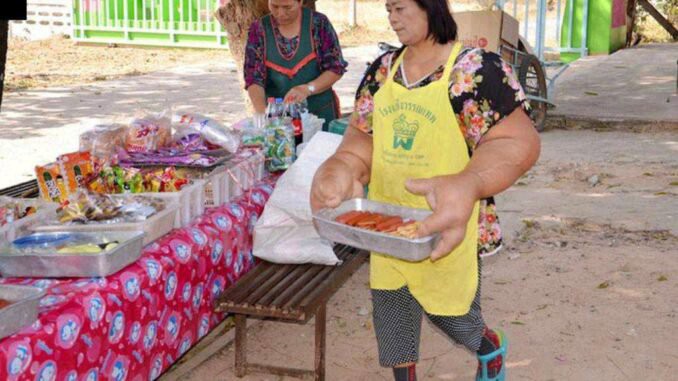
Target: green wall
{"x": 601, "y": 37}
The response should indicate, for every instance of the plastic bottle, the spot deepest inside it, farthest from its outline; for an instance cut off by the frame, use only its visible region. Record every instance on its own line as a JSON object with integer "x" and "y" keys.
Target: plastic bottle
{"x": 294, "y": 112}
{"x": 270, "y": 105}
{"x": 279, "y": 111}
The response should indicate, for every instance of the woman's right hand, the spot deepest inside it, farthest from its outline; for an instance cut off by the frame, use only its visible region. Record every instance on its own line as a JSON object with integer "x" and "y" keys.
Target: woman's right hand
{"x": 333, "y": 183}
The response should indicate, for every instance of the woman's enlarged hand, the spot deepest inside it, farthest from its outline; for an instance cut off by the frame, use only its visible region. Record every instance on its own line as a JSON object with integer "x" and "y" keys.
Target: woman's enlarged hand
{"x": 297, "y": 94}
{"x": 452, "y": 199}
{"x": 332, "y": 184}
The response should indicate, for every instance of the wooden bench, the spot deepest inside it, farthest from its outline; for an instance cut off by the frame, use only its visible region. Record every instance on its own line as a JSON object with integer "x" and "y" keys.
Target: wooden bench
{"x": 28, "y": 189}
{"x": 287, "y": 293}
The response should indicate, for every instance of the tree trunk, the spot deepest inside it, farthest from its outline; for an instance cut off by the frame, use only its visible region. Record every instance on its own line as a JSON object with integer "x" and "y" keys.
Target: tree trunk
{"x": 236, "y": 16}
{"x": 4, "y": 26}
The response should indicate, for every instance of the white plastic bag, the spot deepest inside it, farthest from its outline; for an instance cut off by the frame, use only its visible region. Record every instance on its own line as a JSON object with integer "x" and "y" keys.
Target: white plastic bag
{"x": 208, "y": 128}
{"x": 285, "y": 232}
{"x": 311, "y": 124}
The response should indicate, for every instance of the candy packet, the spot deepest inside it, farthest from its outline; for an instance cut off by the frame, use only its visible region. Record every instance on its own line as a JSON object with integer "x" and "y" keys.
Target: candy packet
{"x": 102, "y": 142}
{"x": 51, "y": 182}
{"x": 149, "y": 133}
{"x": 76, "y": 168}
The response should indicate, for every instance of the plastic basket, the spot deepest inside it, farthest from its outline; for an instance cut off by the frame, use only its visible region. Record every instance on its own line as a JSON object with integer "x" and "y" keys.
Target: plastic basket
{"x": 46, "y": 211}
{"x": 190, "y": 201}
{"x": 216, "y": 184}
{"x": 233, "y": 178}
{"x": 246, "y": 172}
{"x": 338, "y": 126}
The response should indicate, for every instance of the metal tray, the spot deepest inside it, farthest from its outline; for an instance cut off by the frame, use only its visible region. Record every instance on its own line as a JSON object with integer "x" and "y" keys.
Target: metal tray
{"x": 217, "y": 163}
{"x": 22, "y": 312}
{"x": 155, "y": 226}
{"x": 412, "y": 250}
{"x": 45, "y": 262}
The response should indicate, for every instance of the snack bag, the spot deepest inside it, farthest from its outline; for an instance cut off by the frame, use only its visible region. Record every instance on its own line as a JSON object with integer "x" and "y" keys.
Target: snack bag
{"x": 252, "y": 130}
{"x": 76, "y": 167}
{"x": 212, "y": 131}
{"x": 51, "y": 183}
{"x": 164, "y": 180}
{"x": 113, "y": 180}
{"x": 102, "y": 142}
{"x": 142, "y": 136}
{"x": 149, "y": 133}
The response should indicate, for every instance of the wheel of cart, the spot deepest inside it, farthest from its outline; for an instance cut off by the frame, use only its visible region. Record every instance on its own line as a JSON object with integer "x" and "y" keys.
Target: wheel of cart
{"x": 532, "y": 78}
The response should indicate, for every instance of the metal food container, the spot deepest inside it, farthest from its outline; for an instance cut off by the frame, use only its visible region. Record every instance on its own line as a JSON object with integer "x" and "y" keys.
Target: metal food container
{"x": 46, "y": 262}
{"x": 412, "y": 250}
{"x": 22, "y": 312}
{"x": 155, "y": 226}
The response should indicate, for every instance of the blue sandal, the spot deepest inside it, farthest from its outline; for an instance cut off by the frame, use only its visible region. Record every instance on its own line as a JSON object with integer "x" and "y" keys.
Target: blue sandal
{"x": 484, "y": 360}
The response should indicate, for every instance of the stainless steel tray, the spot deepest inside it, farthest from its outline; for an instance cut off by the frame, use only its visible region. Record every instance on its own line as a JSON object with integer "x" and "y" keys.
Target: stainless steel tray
{"x": 155, "y": 227}
{"x": 22, "y": 312}
{"x": 45, "y": 263}
{"x": 412, "y": 250}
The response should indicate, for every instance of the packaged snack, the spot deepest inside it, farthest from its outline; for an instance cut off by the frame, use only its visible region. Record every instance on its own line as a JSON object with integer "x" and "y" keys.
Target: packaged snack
{"x": 280, "y": 148}
{"x": 102, "y": 142}
{"x": 51, "y": 183}
{"x": 87, "y": 208}
{"x": 142, "y": 136}
{"x": 149, "y": 133}
{"x": 252, "y": 130}
{"x": 76, "y": 167}
{"x": 113, "y": 180}
{"x": 118, "y": 180}
{"x": 14, "y": 209}
{"x": 208, "y": 128}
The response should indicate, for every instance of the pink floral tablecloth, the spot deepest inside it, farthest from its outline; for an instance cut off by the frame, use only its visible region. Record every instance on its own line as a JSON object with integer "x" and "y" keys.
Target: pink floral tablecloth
{"x": 134, "y": 324}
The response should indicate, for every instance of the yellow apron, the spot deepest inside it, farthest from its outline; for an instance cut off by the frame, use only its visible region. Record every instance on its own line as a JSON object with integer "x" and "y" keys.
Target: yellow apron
{"x": 416, "y": 135}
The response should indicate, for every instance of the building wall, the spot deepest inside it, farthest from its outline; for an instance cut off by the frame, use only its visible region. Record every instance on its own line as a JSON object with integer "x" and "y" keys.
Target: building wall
{"x": 45, "y": 18}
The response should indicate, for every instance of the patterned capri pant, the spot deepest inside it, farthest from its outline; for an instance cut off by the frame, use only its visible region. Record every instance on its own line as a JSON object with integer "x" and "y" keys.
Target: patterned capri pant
{"x": 397, "y": 323}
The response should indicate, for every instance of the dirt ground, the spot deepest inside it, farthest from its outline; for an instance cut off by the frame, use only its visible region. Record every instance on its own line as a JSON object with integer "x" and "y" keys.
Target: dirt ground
{"x": 59, "y": 61}
{"x": 586, "y": 288}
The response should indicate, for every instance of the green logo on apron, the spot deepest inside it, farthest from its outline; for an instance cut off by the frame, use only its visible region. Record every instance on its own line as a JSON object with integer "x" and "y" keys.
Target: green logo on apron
{"x": 404, "y": 133}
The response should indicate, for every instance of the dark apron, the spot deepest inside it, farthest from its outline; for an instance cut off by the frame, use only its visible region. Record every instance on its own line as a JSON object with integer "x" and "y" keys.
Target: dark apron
{"x": 283, "y": 74}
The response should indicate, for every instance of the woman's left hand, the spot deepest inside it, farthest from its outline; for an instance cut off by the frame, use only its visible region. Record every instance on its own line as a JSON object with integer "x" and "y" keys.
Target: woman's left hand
{"x": 452, "y": 199}
{"x": 297, "y": 94}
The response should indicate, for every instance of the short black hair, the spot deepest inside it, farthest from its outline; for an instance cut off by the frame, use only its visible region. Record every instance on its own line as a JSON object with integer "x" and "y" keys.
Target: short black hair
{"x": 441, "y": 25}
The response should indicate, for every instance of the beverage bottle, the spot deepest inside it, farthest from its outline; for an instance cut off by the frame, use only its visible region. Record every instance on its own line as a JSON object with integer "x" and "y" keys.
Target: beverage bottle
{"x": 295, "y": 115}
{"x": 270, "y": 105}
{"x": 279, "y": 111}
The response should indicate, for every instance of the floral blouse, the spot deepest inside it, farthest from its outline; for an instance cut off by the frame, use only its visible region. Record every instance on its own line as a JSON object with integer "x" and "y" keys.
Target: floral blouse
{"x": 483, "y": 90}
{"x": 326, "y": 46}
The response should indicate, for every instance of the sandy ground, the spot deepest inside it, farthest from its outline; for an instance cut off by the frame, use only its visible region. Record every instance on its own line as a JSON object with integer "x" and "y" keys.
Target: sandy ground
{"x": 585, "y": 290}
{"x": 59, "y": 61}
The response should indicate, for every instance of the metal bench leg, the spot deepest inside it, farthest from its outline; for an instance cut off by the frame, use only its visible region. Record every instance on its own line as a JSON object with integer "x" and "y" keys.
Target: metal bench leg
{"x": 240, "y": 345}
{"x": 320, "y": 343}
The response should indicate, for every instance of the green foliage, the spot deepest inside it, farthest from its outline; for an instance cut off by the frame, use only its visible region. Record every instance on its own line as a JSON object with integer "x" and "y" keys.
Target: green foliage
{"x": 647, "y": 26}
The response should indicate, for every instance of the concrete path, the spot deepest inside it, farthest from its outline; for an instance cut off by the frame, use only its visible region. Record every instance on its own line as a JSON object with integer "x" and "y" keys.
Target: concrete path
{"x": 632, "y": 89}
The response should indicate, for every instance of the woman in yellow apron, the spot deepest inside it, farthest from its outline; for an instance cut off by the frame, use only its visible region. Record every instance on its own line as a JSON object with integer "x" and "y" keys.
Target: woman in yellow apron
{"x": 438, "y": 128}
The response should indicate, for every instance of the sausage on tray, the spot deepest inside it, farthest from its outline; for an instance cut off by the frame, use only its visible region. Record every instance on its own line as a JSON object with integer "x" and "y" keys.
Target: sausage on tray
{"x": 383, "y": 223}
